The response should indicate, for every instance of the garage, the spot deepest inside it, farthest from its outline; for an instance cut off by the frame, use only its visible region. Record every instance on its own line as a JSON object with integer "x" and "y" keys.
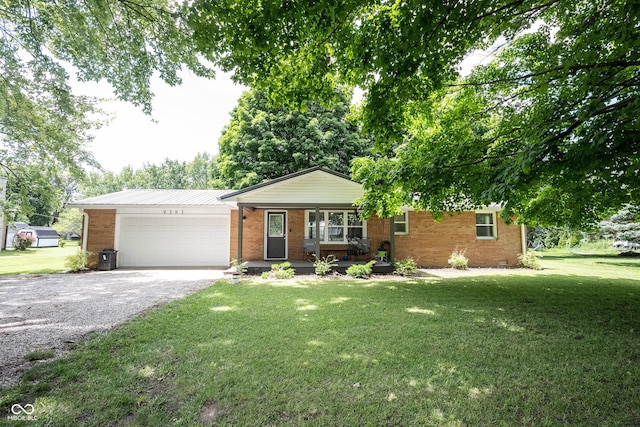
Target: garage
{"x": 175, "y": 241}
{"x": 159, "y": 228}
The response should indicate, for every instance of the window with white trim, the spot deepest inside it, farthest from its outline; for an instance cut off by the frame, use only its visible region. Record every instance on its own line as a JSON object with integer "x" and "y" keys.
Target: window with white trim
{"x": 401, "y": 223}
{"x": 486, "y": 225}
{"x": 355, "y": 226}
{"x": 335, "y": 226}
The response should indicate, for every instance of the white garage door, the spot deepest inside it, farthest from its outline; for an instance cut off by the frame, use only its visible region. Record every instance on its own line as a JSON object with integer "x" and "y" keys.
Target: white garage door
{"x": 170, "y": 241}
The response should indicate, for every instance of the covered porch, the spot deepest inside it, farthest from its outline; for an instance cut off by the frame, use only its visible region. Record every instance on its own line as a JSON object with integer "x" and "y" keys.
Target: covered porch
{"x": 303, "y": 215}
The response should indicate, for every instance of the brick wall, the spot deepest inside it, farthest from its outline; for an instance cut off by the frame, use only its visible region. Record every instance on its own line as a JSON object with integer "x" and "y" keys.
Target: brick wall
{"x": 429, "y": 243}
{"x": 101, "y": 230}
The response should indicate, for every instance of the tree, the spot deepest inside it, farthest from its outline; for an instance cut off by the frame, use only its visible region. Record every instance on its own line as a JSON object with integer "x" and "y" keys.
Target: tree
{"x": 263, "y": 142}
{"x": 550, "y": 129}
{"x": 41, "y": 122}
{"x": 170, "y": 174}
{"x": 624, "y": 225}
{"x": 69, "y": 221}
{"x": 201, "y": 171}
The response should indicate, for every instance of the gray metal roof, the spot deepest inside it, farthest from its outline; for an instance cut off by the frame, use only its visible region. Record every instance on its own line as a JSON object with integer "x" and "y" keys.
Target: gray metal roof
{"x": 43, "y": 231}
{"x": 155, "y": 198}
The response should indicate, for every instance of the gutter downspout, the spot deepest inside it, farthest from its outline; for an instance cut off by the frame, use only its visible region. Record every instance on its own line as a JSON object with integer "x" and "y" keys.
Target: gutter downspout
{"x": 240, "y": 229}
{"x": 85, "y": 229}
{"x": 523, "y": 238}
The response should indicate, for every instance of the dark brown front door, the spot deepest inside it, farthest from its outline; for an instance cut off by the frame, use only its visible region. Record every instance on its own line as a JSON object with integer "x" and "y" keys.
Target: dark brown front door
{"x": 276, "y": 235}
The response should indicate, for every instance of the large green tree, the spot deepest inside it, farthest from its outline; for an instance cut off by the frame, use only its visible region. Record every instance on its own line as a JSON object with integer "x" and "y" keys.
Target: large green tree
{"x": 42, "y": 123}
{"x": 549, "y": 128}
{"x": 263, "y": 141}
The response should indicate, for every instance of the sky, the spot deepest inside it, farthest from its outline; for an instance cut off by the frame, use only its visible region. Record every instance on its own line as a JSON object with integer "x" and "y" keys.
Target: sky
{"x": 186, "y": 120}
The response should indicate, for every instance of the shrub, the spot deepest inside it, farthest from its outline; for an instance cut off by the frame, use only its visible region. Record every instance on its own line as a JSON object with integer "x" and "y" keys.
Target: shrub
{"x": 280, "y": 271}
{"x": 238, "y": 266}
{"x": 458, "y": 260}
{"x": 79, "y": 261}
{"x": 530, "y": 260}
{"x": 360, "y": 270}
{"x": 23, "y": 241}
{"x": 406, "y": 267}
{"x": 323, "y": 265}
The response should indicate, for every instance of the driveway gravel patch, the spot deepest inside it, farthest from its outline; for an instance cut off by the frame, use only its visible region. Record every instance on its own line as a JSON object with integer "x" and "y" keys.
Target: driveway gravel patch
{"x": 50, "y": 311}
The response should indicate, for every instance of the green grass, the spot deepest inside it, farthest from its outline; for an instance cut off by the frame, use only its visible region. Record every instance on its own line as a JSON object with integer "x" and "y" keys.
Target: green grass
{"x": 603, "y": 264}
{"x": 36, "y": 260}
{"x": 529, "y": 349}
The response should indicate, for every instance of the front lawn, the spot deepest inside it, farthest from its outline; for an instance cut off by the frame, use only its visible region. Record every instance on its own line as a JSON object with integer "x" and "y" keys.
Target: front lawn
{"x": 37, "y": 260}
{"x": 534, "y": 349}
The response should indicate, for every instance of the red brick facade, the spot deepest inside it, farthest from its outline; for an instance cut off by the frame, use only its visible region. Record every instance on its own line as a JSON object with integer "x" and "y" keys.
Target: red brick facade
{"x": 101, "y": 230}
{"x": 429, "y": 243}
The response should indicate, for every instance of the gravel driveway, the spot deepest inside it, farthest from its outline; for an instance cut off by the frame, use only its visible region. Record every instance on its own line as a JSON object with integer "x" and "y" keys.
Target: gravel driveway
{"x": 50, "y": 311}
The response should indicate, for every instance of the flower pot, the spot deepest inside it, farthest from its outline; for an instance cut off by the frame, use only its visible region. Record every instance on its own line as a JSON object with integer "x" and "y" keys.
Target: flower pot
{"x": 235, "y": 279}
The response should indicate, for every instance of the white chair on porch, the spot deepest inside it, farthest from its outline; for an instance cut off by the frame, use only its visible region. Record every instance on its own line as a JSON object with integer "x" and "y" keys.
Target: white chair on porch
{"x": 309, "y": 248}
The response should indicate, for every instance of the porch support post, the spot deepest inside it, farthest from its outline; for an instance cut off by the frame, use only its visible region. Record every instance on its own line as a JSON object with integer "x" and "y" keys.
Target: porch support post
{"x": 240, "y": 225}
{"x": 317, "y": 231}
{"x": 392, "y": 240}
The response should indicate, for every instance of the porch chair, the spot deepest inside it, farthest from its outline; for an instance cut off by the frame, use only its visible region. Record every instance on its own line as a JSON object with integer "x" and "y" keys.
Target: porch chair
{"x": 358, "y": 246}
{"x": 309, "y": 248}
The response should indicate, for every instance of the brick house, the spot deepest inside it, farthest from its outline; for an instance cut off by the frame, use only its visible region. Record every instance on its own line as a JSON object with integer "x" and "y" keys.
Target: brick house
{"x": 288, "y": 218}
{"x": 274, "y": 219}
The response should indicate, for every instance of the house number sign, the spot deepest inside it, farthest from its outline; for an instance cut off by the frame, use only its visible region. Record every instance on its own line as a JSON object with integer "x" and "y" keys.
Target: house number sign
{"x": 173, "y": 211}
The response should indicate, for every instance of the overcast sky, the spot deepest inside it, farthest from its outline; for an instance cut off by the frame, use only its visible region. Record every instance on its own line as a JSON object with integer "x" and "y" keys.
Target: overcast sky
{"x": 189, "y": 119}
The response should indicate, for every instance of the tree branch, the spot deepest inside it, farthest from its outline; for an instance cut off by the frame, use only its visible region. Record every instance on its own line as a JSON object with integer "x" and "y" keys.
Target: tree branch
{"x": 572, "y": 70}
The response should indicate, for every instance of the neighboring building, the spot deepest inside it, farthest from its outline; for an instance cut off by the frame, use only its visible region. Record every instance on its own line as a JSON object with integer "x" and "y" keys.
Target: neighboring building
{"x": 45, "y": 237}
{"x": 273, "y": 220}
{"x": 11, "y": 230}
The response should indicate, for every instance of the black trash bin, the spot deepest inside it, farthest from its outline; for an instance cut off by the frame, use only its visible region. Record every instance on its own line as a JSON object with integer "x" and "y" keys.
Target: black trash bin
{"x": 107, "y": 259}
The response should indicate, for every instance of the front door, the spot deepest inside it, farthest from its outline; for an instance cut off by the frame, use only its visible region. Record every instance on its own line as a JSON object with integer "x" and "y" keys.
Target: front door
{"x": 276, "y": 235}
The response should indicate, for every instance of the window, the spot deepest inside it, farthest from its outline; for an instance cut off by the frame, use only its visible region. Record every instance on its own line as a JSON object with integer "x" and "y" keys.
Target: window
{"x": 355, "y": 226}
{"x": 401, "y": 223}
{"x": 335, "y": 226}
{"x": 485, "y": 225}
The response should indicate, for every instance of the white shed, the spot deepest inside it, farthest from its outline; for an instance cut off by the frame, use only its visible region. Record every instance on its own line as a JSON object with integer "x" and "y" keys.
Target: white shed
{"x": 46, "y": 237}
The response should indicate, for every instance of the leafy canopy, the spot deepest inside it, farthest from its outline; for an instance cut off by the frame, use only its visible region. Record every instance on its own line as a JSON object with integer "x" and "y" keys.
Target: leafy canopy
{"x": 548, "y": 127}
{"x": 264, "y": 142}
{"x": 45, "y": 130}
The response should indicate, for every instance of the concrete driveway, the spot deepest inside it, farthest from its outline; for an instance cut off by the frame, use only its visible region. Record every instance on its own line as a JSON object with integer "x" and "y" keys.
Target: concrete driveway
{"x": 52, "y": 311}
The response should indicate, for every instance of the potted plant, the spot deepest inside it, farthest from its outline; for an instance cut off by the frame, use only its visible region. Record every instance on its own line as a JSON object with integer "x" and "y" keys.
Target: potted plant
{"x": 238, "y": 269}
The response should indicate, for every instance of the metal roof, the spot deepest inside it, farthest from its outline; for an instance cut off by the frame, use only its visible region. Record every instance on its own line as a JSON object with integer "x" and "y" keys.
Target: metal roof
{"x": 43, "y": 231}
{"x": 155, "y": 198}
